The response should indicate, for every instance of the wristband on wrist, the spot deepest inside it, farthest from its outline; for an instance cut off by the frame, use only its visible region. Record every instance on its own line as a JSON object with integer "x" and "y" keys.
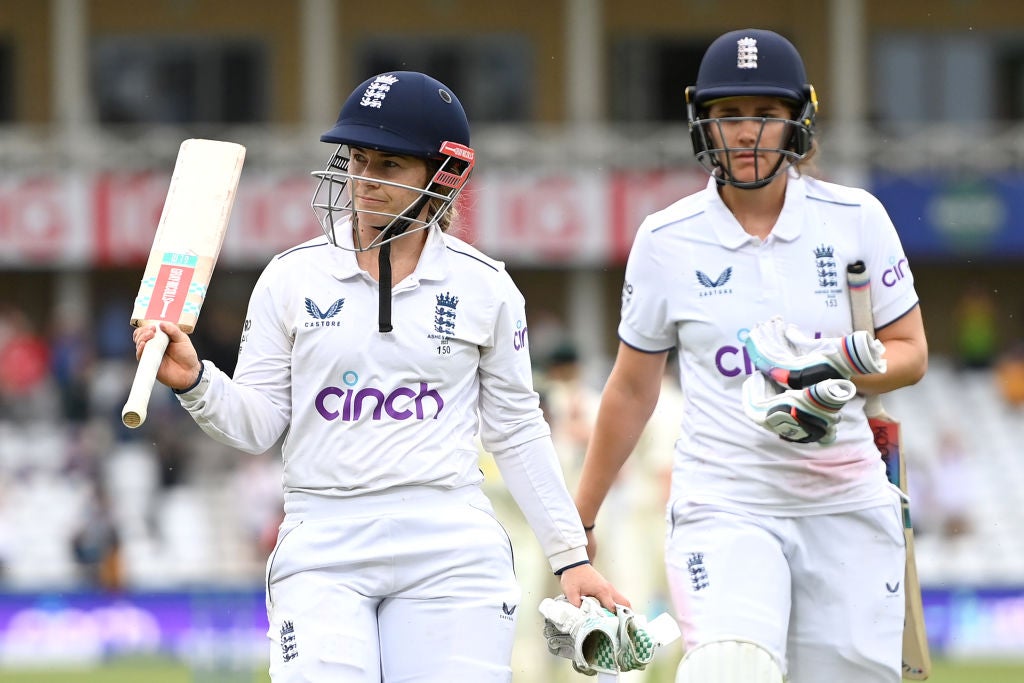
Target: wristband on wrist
{"x": 589, "y": 528}
{"x": 202, "y": 369}
{"x": 575, "y": 564}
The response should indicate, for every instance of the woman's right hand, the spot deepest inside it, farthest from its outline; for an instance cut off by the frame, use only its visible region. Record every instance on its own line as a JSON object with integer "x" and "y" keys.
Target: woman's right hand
{"x": 180, "y": 366}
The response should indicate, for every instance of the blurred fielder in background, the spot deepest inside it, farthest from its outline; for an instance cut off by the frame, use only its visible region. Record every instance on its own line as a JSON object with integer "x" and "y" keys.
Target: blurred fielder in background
{"x": 785, "y": 550}
{"x": 379, "y": 351}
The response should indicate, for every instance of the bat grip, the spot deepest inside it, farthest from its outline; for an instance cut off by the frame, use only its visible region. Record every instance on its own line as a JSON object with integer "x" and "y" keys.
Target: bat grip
{"x": 134, "y": 412}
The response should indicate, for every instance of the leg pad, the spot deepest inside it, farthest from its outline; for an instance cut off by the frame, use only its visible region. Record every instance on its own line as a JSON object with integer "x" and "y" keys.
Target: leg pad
{"x": 728, "y": 661}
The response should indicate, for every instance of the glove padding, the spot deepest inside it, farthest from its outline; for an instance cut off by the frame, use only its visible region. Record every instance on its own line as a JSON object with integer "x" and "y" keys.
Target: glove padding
{"x": 791, "y": 358}
{"x": 587, "y": 635}
{"x": 597, "y": 641}
{"x": 802, "y": 415}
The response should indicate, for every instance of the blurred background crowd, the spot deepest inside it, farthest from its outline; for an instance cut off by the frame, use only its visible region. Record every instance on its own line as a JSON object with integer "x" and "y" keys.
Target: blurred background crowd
{"x": 578, "y": 122}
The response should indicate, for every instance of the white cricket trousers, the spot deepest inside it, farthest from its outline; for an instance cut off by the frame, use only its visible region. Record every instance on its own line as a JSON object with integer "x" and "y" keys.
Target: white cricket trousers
{"x": 822, "y": 593}
{"x": 413, "y": 585}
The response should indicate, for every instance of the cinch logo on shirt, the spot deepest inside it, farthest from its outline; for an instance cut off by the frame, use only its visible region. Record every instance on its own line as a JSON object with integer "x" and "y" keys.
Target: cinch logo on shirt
{"x": 402, "y": 403}
{"x": 734, "y": 360}
{"x": 521, "y": 336}
{"x": 893, "y": 275}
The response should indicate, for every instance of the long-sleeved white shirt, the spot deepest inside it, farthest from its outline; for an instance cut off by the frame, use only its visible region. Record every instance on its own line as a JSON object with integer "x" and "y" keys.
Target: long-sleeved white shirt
{"x": 364, "y": 412}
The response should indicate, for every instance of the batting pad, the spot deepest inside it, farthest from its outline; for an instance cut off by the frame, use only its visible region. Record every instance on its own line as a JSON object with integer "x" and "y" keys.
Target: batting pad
{"x": 728, "y": 661}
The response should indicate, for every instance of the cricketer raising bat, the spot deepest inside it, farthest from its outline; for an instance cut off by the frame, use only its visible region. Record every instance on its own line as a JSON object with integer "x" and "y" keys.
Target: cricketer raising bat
{"x": 917, "y": 663}
{"x": 185, "y": 249}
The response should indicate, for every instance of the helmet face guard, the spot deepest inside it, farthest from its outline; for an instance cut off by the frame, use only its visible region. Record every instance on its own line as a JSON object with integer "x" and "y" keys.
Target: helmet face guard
{"x": 716, "y": 157}
{"x": 334, "y": 207}
{"x": 750, "y": 63}
{"x": 400, "y": 112}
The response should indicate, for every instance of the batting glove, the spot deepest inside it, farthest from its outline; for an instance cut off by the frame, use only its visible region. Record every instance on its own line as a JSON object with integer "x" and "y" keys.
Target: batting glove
{"x": 802, "y": 415}
{"x": 794, "y": 360}
{"x": 598, "y": 641}
{"x": 587, "y": 635}
{"x": 638, "y": 639}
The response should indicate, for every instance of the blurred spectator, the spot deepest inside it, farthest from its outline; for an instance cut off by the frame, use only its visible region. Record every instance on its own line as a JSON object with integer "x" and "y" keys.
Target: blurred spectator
{"x": 111, "y": 340}
{"x": 71, "y": 363}
{"x": 977, "y": 337}
{"x": 952, "y": 486}
{"x": 217, "y": 338}
{"x": 571, "y": 407}
{"x": 1010, "y": 376}
{"x": 96, "y": 545}
{"x": 24, "y": 363}
{"x": 634, "y": 525}
{"x": 256, "y": 483}
{"x": 546, "y": 334}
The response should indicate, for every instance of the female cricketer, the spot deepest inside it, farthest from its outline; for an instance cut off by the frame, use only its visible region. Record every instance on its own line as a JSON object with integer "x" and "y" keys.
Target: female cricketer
{"x": 784, "y": 549}
{"x": 379, "y": 352}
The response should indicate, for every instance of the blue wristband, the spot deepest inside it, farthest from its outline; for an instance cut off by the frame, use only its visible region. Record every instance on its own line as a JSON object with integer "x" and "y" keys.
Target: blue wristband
{"x": 577, "y": 564}
{"x": 202, "y": 369}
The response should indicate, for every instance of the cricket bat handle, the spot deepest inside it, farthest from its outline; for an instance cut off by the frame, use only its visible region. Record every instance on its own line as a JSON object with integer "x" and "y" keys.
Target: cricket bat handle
{"x": 134, "y": 412}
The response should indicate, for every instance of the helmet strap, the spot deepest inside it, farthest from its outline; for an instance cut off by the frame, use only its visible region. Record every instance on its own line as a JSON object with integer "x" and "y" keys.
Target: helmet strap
{"x": 384, "y": 263}
{"x": 384, "y": 289}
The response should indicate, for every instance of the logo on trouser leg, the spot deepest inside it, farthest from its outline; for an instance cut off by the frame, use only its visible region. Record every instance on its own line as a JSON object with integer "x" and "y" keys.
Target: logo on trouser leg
{"x": 698, "y": 573}
{"x": 289, "y": 648}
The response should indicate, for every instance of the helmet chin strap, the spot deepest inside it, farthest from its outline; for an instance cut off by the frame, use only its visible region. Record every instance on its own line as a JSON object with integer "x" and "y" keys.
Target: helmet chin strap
{"x": 384, "y": 264}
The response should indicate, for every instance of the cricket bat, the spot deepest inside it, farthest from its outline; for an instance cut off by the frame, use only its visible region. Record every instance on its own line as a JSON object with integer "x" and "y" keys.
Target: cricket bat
{"x": 917, "y": 663}
{"x": 185, "y": 250}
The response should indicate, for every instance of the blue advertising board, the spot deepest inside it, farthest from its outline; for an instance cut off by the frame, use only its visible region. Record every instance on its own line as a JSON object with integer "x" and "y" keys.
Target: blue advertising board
{"x": 956, "y": 216}
{"x": 228, "y": 628}
{"x": 203, "y": 628}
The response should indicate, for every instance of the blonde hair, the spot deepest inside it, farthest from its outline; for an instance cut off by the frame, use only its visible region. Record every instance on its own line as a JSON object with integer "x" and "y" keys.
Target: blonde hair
{"x": 808, "y": 165}
{"x": 449, "y": 216}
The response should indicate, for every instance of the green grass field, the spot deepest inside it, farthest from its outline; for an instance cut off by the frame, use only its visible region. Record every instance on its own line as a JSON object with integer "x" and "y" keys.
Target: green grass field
{"x": 165, "y": 672}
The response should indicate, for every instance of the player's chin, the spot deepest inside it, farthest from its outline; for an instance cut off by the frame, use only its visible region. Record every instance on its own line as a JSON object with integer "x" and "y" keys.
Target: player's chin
{"x": 750, "y": 170}
{"x": 373, "y": 221}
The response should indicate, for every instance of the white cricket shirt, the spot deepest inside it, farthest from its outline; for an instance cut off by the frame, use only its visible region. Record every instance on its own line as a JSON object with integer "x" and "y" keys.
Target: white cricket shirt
{"x": 366, "y": 412}
{"x": 697, "y": 281}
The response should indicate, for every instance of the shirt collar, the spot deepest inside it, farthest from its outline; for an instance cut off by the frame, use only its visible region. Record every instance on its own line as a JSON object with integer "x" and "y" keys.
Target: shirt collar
{"x": 346, "y": 265}
{"x": 731, "y": 234}
{"x": 432, "y": 265}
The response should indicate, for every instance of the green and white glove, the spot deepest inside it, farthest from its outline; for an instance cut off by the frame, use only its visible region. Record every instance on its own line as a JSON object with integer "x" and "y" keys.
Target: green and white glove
{"x": 587, "y": 635}
{"x": 638, "y": 639}
{"x": 598, "y": 641}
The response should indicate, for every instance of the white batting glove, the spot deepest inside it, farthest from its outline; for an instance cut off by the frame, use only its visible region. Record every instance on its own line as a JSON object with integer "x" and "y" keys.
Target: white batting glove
{"x": 587, "y": 635}
{"x": 802, "y": 415}
{"x": 795, "y": 360}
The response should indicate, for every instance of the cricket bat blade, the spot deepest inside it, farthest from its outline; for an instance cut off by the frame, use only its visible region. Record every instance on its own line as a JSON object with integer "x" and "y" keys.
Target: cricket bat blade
{"x": 185, "y": 249}
{"x": 888, "y": 436}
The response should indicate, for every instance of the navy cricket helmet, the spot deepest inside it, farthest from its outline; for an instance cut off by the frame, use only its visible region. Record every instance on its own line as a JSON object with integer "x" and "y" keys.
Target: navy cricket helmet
{"x": 750, "y": 62}
{"x": 404, "y": 112}
{"x": 398, "y": 112}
